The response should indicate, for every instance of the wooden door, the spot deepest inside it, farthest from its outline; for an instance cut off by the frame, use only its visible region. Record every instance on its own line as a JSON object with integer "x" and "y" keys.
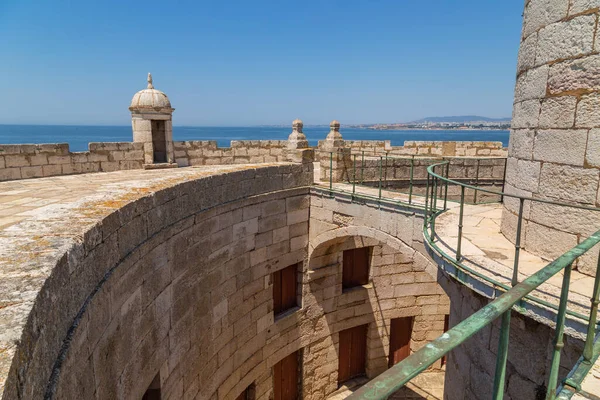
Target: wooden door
{"x": 400, "y": 333}
{"x": 355, "y": 271}
{"x": 285, "y": 378}
{"x": 352, "y": 353}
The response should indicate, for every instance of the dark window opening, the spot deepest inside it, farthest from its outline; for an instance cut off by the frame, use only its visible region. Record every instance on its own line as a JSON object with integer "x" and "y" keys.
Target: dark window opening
{"x": 352, "y": 353}
{"x": 159, "y": 141}
{"x": 153, "y": 391}
{"x": 446, "y": 327}
{"x": 356, "y": 267}
{"x": 285, "y": 289}
{"x": 248, "y": 394}
{"x": 400, "y": 334}
{"x": 285, "y": 378}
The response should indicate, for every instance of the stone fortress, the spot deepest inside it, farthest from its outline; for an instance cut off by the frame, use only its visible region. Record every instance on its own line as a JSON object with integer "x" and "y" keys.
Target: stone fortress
{"x": 161, "y": 269}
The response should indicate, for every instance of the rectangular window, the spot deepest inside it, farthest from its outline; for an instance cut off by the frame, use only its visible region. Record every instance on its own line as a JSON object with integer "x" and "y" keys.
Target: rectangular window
{"x": 285, "y": 378}
{"x": 356, "y": 267}
{"x": 248, "y": 393}
{"x": 153, "y": 391}
{"x": 400, "y": 334}
{"x": 352, "y": 353}
{"x": 446, "y": 327}
{"x": 285, "y": 284}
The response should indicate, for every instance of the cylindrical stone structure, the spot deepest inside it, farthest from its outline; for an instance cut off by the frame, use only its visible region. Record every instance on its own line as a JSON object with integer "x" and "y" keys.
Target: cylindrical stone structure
{"x": 554, "y": 149}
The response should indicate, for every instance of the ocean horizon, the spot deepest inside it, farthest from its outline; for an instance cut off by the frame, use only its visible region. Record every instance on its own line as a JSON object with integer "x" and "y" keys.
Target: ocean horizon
{"x": 78, "y": 136}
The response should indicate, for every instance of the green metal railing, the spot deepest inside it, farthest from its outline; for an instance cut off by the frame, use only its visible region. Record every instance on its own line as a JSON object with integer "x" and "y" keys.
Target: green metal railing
{"x": 436, "y": 190}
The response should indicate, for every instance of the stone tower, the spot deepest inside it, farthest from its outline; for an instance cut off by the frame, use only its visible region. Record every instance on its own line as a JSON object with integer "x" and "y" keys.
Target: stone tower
{"x": 151, "y": 120}
{"x": 554, "y": 149}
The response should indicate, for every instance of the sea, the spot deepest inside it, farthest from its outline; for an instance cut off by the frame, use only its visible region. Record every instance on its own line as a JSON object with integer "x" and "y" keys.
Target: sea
{"x": 78, "y": 136}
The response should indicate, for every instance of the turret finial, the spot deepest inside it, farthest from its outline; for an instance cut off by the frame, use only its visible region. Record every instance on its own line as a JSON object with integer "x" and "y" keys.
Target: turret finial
{"x": 150, "y": 86}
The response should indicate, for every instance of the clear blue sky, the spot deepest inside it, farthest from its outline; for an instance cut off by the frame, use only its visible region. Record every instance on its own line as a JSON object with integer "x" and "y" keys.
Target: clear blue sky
{"x": 258, "y": 62}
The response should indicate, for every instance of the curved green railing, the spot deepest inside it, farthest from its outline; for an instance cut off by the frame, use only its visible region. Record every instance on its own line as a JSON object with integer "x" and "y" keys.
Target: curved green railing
{"x": 400, "y": 374}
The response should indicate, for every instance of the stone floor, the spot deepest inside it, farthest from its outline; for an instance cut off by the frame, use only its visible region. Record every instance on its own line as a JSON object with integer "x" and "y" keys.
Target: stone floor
{"x": 428, "y": 385}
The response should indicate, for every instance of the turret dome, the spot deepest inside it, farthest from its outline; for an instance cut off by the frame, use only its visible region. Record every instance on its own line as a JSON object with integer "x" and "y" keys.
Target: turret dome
{"x": 150, "y": 98}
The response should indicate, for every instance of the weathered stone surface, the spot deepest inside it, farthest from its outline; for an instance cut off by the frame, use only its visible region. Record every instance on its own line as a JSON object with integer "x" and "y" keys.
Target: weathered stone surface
{"x": 566, "y": 39}
{"x": 568, "y": 183}
{"x": 579, "y": 74}
{"x": 527, "y": 52}
{"x": 526, "y": 114}
{"x": 539, "y": 13}
{"x": 523, "y": 174}
{"x": 520, "y": 144}
{"x": 558, "y": 112}
{"x": 560, "y": 146}
{"x": 532, "y": 84}
{"x": 580, "y": 6}
{"x": 592, "y": 153}
{"x": 588, "y": 111}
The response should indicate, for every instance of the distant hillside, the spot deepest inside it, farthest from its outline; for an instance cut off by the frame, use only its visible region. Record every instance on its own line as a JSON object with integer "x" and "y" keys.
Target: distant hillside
{"x": 460, "y": 119}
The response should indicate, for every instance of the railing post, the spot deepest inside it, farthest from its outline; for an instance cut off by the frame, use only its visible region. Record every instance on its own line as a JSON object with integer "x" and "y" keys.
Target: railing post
{"x": 502, "y": 356}
{"x": 362, "y": 168}
{"x": 386, "y": 168}
{"x": 588, "y": 350}
{"x": 503, "y": 180}
{"x": 410, "y": 186}
{"x": 433, "y": 203}
{"x": 446, "y": 189}
{"x": 558, "y": 339}
{"x": 380, "y": 162}
{"x": 354, "y": 177}
{"x": 426, "y": 200}
{"x": 515, "y": 277}
{"x": 476, "y": 182}
{"x": 460, "y": 223}
{"x": 331, "y": 174}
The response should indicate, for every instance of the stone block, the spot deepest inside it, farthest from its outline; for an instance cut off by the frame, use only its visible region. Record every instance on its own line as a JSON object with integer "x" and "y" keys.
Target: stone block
{"x": 558, "y": 112}
{"x": 51, "y": 170}
{"x": 547, "y": 242}
{"x": 566, "y": 183}
{"x": 539, "y": 13}
{"x": 582, "y": 73}
{"x": 32, "y": 172}
{"x": 527, "y": 51}
{"x": 574, "y": 37}
{"x": 580, "y": 6}
{"x": 587, "y": 111}
{"x": 2, "y": 163}
{"x": 38, "y": 159}
{"x": 59, "y": 159}
{"x": 16, "y": 160}
{"x": 523, "y": 174}
{"x": 592, "y": 152}
{"x": 520, "y": 144}
{"x": 567, "y": 219}
{"x": 7, "y": 174}
{"x": 525, "y": 114}
{"x": 560, "y": 146}
{"x": 532, "y": 84}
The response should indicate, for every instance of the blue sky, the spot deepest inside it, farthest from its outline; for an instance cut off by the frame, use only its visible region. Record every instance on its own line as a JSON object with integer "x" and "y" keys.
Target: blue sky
{"x": 258, "y": 62}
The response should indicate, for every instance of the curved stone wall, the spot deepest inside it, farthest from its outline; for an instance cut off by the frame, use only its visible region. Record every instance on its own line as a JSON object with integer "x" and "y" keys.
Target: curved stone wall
{"x": 142, "y": 236}
{"x": 555, "y": 140}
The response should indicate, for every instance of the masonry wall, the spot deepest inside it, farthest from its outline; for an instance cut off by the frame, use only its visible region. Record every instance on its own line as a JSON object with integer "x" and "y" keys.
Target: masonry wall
{"x": 427, "y": 148}
{"x": 23, "y": 161}
{"x": 555, "y": 140}
{"x": 471, "y": 366}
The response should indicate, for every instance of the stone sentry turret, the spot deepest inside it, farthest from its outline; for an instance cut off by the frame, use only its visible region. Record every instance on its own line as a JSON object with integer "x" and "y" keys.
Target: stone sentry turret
{"x": 554, "y": 149}
{"x": 151, "y": 120}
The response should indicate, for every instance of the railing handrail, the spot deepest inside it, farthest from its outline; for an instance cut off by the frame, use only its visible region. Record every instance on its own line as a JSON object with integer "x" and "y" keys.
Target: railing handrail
{"x": 431, "y": 168}
{"x": 398, "y": 375}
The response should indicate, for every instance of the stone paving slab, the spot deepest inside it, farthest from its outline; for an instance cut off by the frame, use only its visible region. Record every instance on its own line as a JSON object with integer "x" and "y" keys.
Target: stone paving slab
{"x": 40, "y": 219}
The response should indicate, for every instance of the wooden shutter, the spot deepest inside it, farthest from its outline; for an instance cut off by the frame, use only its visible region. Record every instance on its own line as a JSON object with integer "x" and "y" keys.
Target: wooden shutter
{"x": 352, "y": 353}
{"x": 400, "y": 333}
{"x": 285, "y": 378}
{"x": 355, "y": 271}
{"x": 285, "y": 289}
